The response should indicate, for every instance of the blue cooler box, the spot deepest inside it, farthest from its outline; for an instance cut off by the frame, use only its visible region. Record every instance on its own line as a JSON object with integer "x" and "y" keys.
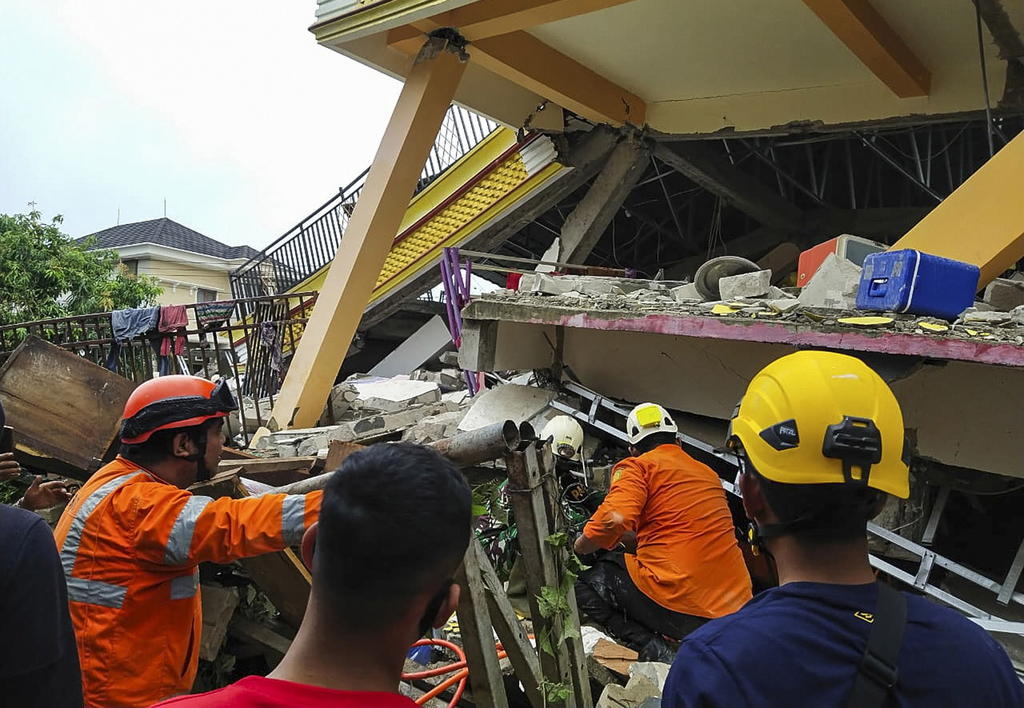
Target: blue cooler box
{"x": 917, "y": 283}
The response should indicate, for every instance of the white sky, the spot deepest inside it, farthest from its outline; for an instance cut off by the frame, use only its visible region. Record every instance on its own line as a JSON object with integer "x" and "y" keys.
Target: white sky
{"x": 229, "y": 110}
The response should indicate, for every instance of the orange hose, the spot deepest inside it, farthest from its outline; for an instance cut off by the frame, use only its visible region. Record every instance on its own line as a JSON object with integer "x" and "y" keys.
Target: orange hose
{"x": 460, "y": 667}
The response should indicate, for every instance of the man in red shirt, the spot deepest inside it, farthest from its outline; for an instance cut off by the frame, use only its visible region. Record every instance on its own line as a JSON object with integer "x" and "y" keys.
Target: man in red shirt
{"x": 394, "y": 525}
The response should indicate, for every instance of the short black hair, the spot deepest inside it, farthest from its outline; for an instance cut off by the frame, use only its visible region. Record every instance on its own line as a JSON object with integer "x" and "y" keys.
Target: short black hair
{"x": 655, "y": 440}
{"x": 394, "y": 524}
{"x": 158, "y": 446}
{"x": 827, "y": 513}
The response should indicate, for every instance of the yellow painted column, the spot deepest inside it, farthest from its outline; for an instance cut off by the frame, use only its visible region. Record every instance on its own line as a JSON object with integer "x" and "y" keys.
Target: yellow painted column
{"x": 374, "y": 223}
{"x": 982, "y": 221}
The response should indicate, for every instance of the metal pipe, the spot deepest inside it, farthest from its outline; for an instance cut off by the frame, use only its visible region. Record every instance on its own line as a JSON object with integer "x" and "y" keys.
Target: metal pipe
{"x": 482, "y": 445}
{"x": 464, "y": 449}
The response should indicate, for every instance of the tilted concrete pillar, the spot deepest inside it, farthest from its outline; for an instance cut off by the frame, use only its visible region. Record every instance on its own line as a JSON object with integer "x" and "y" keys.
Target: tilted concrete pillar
{"x": 403, "y": 151}
{"x": 982, "y": 221}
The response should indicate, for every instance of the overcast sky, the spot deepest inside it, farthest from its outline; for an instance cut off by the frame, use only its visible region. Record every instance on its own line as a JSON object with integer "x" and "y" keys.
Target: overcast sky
{"x": 229, "y": 110}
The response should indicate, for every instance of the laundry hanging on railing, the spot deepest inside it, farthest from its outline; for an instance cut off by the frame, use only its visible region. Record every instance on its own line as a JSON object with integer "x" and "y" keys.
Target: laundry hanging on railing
{"x": 128, "y": 324}
{"x": 173, "y": 321}
{"x": 213, "y": 314}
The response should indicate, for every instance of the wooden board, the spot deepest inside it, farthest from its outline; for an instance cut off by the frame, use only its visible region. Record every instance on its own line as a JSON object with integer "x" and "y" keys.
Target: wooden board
{"x": 275, "y": 471}
{"x": 65, "y": 410}
{"x": 219, "y": 604}
{"x": 282, "y": 576}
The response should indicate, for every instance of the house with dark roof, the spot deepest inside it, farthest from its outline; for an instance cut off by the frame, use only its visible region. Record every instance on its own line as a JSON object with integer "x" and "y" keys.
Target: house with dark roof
{"x": 190, "y": 266}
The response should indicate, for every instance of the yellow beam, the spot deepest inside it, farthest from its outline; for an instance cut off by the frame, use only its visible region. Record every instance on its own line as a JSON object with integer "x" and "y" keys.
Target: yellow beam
{"x": 866, "y": 33}
{"x": 982, "y": 222}
{"x": 527, "y": 61}
{"x": 428, "y": 91}
{"x": 489, "y": 18}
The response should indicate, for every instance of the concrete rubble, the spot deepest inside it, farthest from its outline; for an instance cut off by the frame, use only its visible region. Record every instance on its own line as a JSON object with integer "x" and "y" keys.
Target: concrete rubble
{"x": 827, "y": 302}
{"x": 366, "y": 409}
{"x": 753, "y": 284}
{"x": 1004, "y": 294}
{"x": 834, "y": 285}
{"x": 644, "y": 689}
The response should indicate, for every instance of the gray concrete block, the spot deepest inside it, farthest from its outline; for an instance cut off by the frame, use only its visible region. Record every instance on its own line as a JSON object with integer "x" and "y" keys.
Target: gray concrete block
{"x": 753, "y": 284}
{"x": 686, "y": 293}
{"x": 834, "y": 285}
{"x": 1004, "y": 294}
{"x": 393, "y": 395}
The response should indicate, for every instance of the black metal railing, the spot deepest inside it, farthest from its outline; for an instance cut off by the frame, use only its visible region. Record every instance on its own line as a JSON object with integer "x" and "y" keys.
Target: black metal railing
{"x": 312, "y": 243}
{"x": 249, "y": 347}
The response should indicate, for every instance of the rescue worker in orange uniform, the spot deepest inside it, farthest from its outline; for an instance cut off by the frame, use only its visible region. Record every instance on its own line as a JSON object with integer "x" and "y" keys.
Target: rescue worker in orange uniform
{"x": 676, "y": 562}
{"x": 132, "y": 539}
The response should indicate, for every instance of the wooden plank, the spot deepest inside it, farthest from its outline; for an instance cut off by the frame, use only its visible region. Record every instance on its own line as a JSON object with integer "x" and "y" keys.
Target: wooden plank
{"x": 337, "y": 452}
{"x": 533, "y": 510}
{"x": 865, "y": 32}
{"x": 66, "y": 410}
{"x": 282, "y": 576}
{"x": 521, "y": 653}
{"x": 219, "y": 604}
{"x": 261, "y": 634}
{"x": 276, "y": 472}
{"x": 485, "y": 678}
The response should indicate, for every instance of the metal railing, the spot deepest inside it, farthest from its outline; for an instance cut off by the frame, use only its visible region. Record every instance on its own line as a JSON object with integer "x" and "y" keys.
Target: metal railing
{"x": 312, "y": 243}
{"x": 247, "y": 344}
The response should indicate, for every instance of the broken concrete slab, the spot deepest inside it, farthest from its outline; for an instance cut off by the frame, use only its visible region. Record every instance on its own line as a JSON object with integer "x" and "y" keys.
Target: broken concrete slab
{"x": 654, "y": 671}
{"x": 784, "y": 305}
{"x": 1004, "y": 294}
{"x": 508, "y": 402}
{"x": 753, "y": 284}
{"x": 686, "y": 293}
{"x": 993, "y": 318}
{"x": 834, "y": 285}
{"x": 434, "y": 428}
{"x": 640, "y": 691}
{"x": 425, "y": 344}
{"x": 393, "y": 395}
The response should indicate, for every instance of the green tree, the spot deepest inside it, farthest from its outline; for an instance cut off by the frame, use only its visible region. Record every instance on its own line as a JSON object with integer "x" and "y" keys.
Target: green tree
{"x": 44, "y": 274}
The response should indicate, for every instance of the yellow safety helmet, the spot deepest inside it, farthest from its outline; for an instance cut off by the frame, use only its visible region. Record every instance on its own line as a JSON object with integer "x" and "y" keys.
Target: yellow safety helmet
{"x": 648, "y": 419}
{"x": 819, "y": 417}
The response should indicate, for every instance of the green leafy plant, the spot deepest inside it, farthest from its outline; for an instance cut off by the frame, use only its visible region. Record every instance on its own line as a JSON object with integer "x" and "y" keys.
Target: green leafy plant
{"x": 554, "y": 692}
{"x": 46, "y": 274}
{"x": 553, "y": 602}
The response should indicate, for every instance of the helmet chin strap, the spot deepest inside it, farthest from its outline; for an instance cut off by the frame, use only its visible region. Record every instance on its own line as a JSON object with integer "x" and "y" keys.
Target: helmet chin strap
{"x": 203, "y": 473}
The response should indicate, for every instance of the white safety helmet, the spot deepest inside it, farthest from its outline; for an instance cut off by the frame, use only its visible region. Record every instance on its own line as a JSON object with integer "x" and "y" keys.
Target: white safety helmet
{"x": 566, "y": 437}
{"x": 647, "y": 419}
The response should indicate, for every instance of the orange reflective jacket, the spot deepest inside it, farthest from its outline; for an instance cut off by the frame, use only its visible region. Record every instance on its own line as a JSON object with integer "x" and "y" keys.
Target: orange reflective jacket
{"x": 131, "y": 545}
{"x": 687, "y": 557}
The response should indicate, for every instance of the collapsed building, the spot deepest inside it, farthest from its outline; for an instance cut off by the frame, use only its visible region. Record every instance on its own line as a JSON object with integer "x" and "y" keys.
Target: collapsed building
{"x": 640, "y": 194}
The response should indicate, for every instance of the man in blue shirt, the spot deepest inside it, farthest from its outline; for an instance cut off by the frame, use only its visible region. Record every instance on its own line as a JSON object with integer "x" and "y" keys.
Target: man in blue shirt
{"x": 820, "y": 441}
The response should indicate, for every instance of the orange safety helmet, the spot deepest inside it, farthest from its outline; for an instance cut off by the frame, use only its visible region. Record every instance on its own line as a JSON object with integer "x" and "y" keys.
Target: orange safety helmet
{"x": 173, "y": 402}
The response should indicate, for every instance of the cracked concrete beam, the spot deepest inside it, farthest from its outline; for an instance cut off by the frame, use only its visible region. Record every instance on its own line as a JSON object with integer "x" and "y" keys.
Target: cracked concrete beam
{"x": 715, "y": 173}
{"x": 587, "y": 223}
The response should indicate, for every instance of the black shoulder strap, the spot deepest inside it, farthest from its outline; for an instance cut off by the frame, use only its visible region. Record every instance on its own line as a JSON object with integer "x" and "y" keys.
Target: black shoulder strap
{"x": 877, "y": 673}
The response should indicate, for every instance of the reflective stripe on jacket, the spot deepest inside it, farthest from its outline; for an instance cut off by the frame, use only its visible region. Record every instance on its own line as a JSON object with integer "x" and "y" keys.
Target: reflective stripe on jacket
{"x": 687, "y": 557}
{"x": 131, "y": 545}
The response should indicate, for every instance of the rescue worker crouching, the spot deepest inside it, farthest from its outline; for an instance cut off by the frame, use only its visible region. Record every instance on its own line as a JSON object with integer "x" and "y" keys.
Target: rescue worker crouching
{"x": 682, "y": 564}
{"x": 132, "y": 540}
